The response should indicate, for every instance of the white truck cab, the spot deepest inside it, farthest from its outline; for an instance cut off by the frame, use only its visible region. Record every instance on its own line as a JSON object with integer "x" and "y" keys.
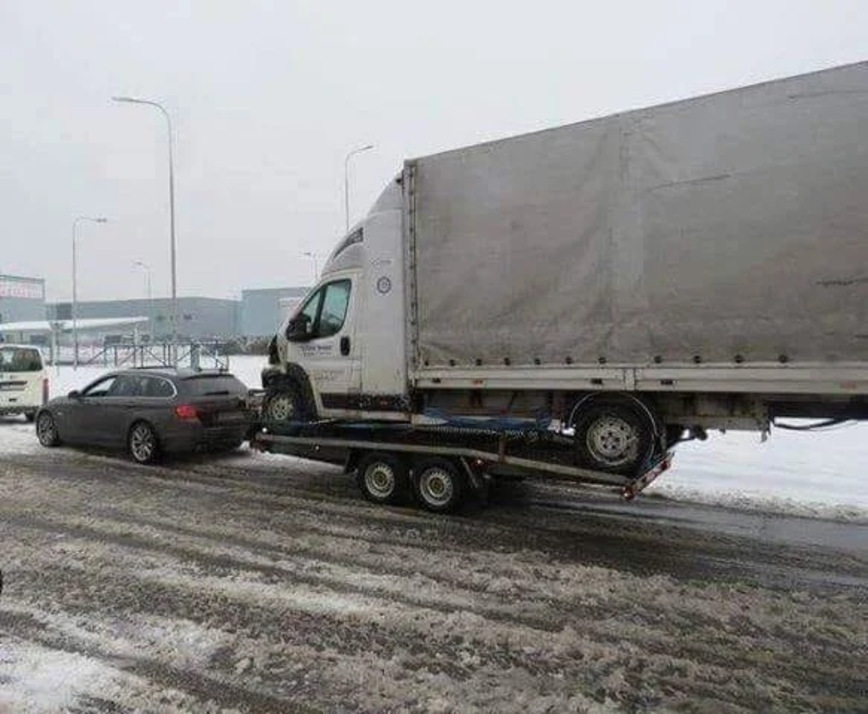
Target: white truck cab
{"x": 23, "y": 380}
{"x": 341, "y": 353}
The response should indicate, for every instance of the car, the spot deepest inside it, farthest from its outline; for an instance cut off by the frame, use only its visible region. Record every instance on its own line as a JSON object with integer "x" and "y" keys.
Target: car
{"x": 23, "y": 380}
{"x": 151, "y": 412}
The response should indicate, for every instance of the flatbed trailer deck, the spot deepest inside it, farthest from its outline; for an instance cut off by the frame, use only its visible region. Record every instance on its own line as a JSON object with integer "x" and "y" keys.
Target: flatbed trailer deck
{"x": 441, "y": 463}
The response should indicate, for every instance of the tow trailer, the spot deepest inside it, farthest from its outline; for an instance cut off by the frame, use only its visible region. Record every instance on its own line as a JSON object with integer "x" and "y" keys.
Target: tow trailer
{"x": 441, "y": 463}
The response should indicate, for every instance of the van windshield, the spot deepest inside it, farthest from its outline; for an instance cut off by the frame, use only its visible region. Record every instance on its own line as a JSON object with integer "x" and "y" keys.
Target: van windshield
{"x": 20, "y": 359}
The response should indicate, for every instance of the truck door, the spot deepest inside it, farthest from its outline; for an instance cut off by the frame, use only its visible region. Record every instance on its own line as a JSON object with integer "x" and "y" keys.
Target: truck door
{"x": 329, "y": 353}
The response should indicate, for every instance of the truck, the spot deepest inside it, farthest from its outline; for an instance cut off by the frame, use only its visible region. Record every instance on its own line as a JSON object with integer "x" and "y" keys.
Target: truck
{"x": 585, "y": 297}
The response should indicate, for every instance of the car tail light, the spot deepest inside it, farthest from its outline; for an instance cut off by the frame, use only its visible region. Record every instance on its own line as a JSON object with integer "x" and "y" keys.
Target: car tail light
{"x": 186, "y": 411}
{"x": 45, "y": 390}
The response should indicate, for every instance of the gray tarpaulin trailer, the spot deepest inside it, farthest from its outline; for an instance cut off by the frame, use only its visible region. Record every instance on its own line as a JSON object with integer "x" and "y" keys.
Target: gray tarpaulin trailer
{"x": 634, "y": 278}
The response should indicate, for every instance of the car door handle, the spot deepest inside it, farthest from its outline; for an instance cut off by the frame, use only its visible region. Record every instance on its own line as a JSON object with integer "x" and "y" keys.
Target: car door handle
{"x": 345, "y": 346}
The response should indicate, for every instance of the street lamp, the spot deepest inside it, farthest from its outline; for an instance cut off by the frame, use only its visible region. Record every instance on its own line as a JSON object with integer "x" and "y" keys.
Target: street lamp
{"x": 147, "y": 269}
{"x": 135, "y": 100}
{"x": 315, "y": 265}
{"x": 347, "y": 180}
{"x": 75, "y": 222}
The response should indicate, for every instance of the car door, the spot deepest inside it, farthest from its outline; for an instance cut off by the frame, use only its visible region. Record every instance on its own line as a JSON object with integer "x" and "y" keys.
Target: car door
{"x": 78, "y": 416}
{"x": 111, "y": 420}
{"x": 330, "y": 352}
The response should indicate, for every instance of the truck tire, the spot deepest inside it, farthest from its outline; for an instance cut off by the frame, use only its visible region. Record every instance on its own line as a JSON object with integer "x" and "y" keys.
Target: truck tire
{"x": 382, "y": 478}
{"x": 612, "y": 434}
{"x": 284, "y": 403}
{"x": 438, "y": 485}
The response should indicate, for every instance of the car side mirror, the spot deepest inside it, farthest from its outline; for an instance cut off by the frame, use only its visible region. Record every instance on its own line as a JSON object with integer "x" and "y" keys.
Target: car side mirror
{"x": 74, "y": 394}
{"x": 298, "y": 329}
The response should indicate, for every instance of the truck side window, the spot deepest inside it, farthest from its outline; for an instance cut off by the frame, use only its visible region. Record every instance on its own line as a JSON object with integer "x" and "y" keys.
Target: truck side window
{"x": 334, "y": 308}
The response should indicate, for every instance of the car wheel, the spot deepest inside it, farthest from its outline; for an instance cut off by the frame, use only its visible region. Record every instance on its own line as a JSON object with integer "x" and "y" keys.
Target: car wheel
{"x": 46, "y": 430}
{"x": 142, "y": 443}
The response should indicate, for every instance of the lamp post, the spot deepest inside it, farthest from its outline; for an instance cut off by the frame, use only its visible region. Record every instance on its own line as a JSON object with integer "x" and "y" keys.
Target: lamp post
{"x": 75, "y": 222}
{"x": 147, "y": 269}
{"x": 309, "y": 254}
{"x": 149, "y": 102}
{"x": 347, "y": 180}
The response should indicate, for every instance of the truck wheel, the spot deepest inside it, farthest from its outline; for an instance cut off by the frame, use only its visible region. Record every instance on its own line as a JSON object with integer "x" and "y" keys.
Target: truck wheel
{"x": 438, "y": 485}
{"x": 612, "y": 435}
{"x": 284, "y": 403}
{"x": 382, "y": 477}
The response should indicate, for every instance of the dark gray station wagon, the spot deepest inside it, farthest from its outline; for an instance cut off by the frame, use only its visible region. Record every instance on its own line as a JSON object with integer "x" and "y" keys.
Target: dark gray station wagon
{"x": 150, "y": 412}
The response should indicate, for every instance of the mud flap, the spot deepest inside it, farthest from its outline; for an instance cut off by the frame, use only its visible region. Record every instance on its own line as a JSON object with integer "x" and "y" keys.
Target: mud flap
{"x": 656, "y": 469}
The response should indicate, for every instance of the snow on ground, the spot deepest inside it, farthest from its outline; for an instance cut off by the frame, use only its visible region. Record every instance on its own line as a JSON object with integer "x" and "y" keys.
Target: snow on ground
{"x": 809, "y": 474}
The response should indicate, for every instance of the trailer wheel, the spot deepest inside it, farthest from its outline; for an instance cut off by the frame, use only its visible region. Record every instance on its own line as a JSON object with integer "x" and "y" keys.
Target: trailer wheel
{"x": 438, "y": 485}
{"x": 382, "y": 478}
{"x": 612, "y": 435}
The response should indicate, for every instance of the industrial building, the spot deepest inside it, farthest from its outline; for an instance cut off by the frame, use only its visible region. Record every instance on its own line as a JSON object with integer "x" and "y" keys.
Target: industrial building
{"x": 199, "y": 318}
{"x": 259, "y": 313}
{"x": 21, "y": 299}
{"x": 263, "y": 310}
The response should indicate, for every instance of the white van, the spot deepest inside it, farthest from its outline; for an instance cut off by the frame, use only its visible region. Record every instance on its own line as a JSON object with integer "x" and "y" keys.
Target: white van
{"x": 23, "y": 380}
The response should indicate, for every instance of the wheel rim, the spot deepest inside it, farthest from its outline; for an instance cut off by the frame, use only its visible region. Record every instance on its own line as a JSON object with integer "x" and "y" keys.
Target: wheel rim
{"x": 281, "y": 407}
{"x": 380, "y": 479}
{"x": 45, "y": 429}
{"x": 436, "y": 486}
{"x": 142, "y": 443}
{"x": 613, "y": 441}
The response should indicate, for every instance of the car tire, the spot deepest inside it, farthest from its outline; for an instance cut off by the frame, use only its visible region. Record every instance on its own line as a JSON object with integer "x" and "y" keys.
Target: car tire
{"x": 143, "y": 445}
{"x": 46, "y": 430}
{"x": 30, "y": 416}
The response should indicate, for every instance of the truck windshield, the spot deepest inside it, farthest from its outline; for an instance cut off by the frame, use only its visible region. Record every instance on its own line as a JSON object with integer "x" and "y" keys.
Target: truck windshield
{"x": 20, "y": 359}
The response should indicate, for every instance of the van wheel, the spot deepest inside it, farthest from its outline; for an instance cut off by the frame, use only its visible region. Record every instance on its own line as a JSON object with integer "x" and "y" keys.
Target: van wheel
{"x": 612, "y": 435}
{"x": 438, "y": 485}
{"x": 284, "y": 404}
{"x": 382, "y": 478}
{"x": 30, "y": 416}
{"x": 142, "y": 443}
{"x": 46, "y": 430}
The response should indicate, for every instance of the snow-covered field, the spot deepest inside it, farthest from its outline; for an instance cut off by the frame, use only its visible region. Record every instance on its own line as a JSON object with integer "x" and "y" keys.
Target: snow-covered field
{"x": 814, "y": 474}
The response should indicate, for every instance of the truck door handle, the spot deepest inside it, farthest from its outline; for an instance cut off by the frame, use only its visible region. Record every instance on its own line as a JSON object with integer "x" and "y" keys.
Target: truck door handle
{"x": 345, "y": 346}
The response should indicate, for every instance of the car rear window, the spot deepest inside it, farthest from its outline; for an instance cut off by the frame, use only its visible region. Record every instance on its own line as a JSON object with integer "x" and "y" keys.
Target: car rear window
{"x": 20, "y": 359}
{"x": 213, "y": 385}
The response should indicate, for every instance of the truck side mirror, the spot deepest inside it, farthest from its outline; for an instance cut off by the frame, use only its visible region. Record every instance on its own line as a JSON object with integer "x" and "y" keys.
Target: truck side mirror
{"x": 298, "y": 329}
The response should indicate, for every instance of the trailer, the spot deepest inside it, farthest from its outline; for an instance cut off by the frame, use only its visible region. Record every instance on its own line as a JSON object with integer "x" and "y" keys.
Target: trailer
{"x": 442, "y": 464}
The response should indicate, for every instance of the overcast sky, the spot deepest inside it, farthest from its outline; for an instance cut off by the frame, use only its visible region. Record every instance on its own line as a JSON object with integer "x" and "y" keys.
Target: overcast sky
{"x": 268, "y": 97}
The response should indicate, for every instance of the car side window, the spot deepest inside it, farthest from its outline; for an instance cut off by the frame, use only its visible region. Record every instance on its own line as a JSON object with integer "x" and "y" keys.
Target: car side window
{"x": 100, "y": 388}
{"x": 126, "y": 386}
{"x": 158, "y": 387}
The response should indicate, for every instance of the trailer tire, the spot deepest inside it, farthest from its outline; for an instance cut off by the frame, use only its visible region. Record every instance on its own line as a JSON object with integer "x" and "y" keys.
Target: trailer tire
{"x": 438, "y": 485}
{"x": 382, "y": 478}
{"x": 612, "y": 434}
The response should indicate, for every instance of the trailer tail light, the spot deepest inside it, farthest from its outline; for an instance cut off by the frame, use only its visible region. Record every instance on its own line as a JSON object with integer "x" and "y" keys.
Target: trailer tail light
{"x": 45, "y": 390}
{"x": 186, "y": 412}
